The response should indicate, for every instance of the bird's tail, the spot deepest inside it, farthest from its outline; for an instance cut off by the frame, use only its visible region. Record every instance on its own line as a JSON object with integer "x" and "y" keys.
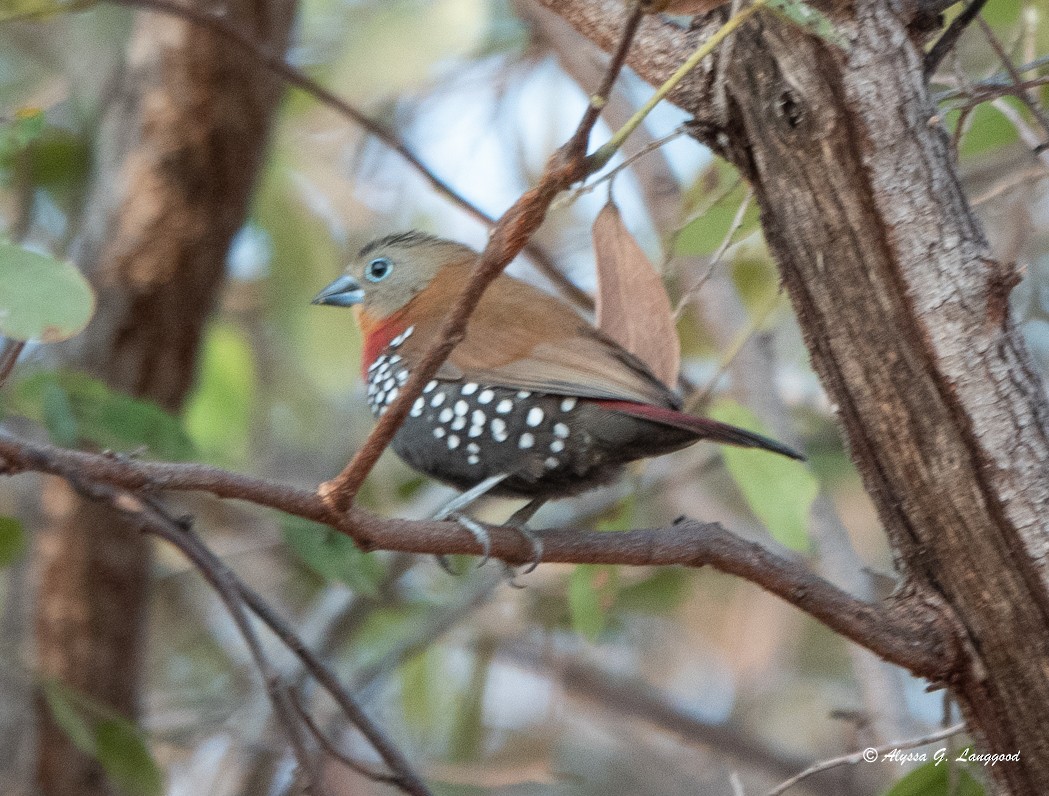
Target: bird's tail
{"x": 702, "y": 427}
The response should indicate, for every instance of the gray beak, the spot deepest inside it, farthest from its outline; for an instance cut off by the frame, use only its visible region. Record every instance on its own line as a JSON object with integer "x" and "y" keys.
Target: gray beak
{"x": 343, "y": 292}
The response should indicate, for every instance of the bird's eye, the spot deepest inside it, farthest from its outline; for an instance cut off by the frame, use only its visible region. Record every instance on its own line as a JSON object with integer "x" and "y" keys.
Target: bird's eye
{"x": 378, "y": 269}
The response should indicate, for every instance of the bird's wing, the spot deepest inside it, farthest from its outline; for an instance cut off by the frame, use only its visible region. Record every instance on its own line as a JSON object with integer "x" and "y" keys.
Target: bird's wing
{"x": 524, "y": 339}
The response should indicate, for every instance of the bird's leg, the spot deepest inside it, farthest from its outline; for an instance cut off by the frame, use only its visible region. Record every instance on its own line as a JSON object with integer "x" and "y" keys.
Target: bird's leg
{"x": 453, "y": 510}
{"x": 518, "y": 521}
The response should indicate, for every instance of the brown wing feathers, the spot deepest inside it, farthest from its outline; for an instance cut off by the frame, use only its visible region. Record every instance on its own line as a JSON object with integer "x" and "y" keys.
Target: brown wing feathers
{"x": 522, "y": 338}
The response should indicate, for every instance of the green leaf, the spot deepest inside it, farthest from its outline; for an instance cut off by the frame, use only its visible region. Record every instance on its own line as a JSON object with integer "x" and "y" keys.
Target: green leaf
{"x": 778, "y": 490}
{"x": 20, "y": 9}
{"x": 17, "y": 133}
{"x": 422, "y": 688}
{"x": 116, "y": 743}
{"x": 76, "y": 407}
{"x": 659, "y": 594}
{"x": 805, "y": 16}
{"x": 219, "y": 412}
{"x": 67, "y": 710}
{"x": 755, "y": 277}
{"x": 55, "y": 412}
{"x": 591, "y": 593}
{"x": 333, "y": 555}
{"x": 987, "y": 130}
{"x": 41, "y": 298}
{"x": 12, "y": 540}
{"x": 717, "y": 212}
{"x": 930, "y": 779}
{"x": 123, "y": 753}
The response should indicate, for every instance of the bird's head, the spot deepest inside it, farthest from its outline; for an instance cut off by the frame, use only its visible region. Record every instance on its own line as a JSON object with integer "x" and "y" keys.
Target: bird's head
{"x": 389, "y": 272}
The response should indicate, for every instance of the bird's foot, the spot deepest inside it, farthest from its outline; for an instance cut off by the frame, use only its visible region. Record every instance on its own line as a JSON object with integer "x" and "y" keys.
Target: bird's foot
{"x": 453, "y": 509}
{"x": 519, "y": 522}
{"x": 478, "y": 532}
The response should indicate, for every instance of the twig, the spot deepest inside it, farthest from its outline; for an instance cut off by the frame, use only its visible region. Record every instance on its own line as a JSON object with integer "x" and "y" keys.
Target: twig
{"x": 354, "y": 713}
{"x": 908, "y": 633}
{"x": 326, "y": 743}
{"x": 984, "y": 91}
{"x": 950, "y": 37}
{"x": 10, "y": 350}
{"x": 512, "y": 232}
{"x": 699, "y": 399}
{"x": 606, "y": 152}
{"x": 715, "y": 260}
{"x": 437, "y": 625}
{"x": 857, "y": 757}
{"x": 710, "y": 205}
{"x": 611, "y": 174}
{"x": 295, "y": 77}
{"x": 1010, "y": 67}
{"x": 599, "y": 99}
{"x": 156, "y": 521}
{"x": 236, "y": 594}
{"x": 1006, "y": 185}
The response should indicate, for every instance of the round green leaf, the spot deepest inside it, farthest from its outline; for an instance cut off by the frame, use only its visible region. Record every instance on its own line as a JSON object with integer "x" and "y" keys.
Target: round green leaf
{"x": 41, "y": 298}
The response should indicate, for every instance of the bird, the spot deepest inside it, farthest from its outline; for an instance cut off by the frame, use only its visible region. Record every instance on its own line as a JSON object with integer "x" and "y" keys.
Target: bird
{"x": 534, "y": 402}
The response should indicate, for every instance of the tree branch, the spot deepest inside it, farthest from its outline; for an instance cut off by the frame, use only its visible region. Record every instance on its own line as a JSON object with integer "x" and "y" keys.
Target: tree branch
{"x": 237, "y": 596}
{"x": 908, "y": 632}
{"x": 658, "y": 49}
{"x": 511, "y": 234}
{"x": 295, "y": 77}
{"x": 865, "y": 756}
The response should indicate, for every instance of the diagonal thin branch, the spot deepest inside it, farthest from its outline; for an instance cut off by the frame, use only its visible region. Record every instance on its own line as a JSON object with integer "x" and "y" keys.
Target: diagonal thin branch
{"x": 635, "y": 698}
{"x": 909, "y": 632}
{"x": 950, "y": 37}
{"x": 10, "y": 350}
{"x": 511, "y": 234}
{"x": 157, "y": 522}
{"x": 295, "y": 77}
{"x": 1014, "y": 75}
{"x": 329, "y": 747}
{"x": 236, "y": 595}
{"x": 868, "y": 755}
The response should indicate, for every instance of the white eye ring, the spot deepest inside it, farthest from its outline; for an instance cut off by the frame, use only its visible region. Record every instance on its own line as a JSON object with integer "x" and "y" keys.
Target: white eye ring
{"x": 378, "y": 269}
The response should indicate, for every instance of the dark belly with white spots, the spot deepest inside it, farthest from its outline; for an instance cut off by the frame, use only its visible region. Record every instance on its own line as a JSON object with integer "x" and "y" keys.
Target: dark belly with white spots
{"x": 550, "y": 445}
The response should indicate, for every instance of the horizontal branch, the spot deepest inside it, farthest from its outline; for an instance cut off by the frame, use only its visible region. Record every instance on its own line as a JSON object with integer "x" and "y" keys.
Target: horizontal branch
{"x": 908, "y": 632}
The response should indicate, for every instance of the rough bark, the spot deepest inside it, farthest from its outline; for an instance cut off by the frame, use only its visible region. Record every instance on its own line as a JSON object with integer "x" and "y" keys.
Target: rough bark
{"x": 181, "y": 145}
{"x": 905, "y": 314}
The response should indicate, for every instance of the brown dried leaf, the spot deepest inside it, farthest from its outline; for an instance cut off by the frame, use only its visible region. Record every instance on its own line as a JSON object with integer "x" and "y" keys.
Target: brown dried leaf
{"x": 632, "y": 305}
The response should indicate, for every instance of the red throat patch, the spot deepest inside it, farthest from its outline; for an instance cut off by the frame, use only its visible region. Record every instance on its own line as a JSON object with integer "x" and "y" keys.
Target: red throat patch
{"x": 377, "y": 335}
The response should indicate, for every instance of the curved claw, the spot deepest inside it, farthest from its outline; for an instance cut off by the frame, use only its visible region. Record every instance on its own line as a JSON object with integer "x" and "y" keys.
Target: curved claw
{"x": 478, "y": 532}
{"x": 443, "y": 562}
{"x": 511, "y": 577}
{"x": 537, "y": 550}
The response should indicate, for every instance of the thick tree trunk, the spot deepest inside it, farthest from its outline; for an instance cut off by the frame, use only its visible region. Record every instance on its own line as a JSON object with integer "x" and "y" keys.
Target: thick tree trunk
{"x": 180, "y": 148}
{"x": 906, "y": 318}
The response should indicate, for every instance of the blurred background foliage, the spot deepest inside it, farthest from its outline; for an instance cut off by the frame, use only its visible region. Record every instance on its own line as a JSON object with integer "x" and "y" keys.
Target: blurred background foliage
{"x": 591, "y": 679}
